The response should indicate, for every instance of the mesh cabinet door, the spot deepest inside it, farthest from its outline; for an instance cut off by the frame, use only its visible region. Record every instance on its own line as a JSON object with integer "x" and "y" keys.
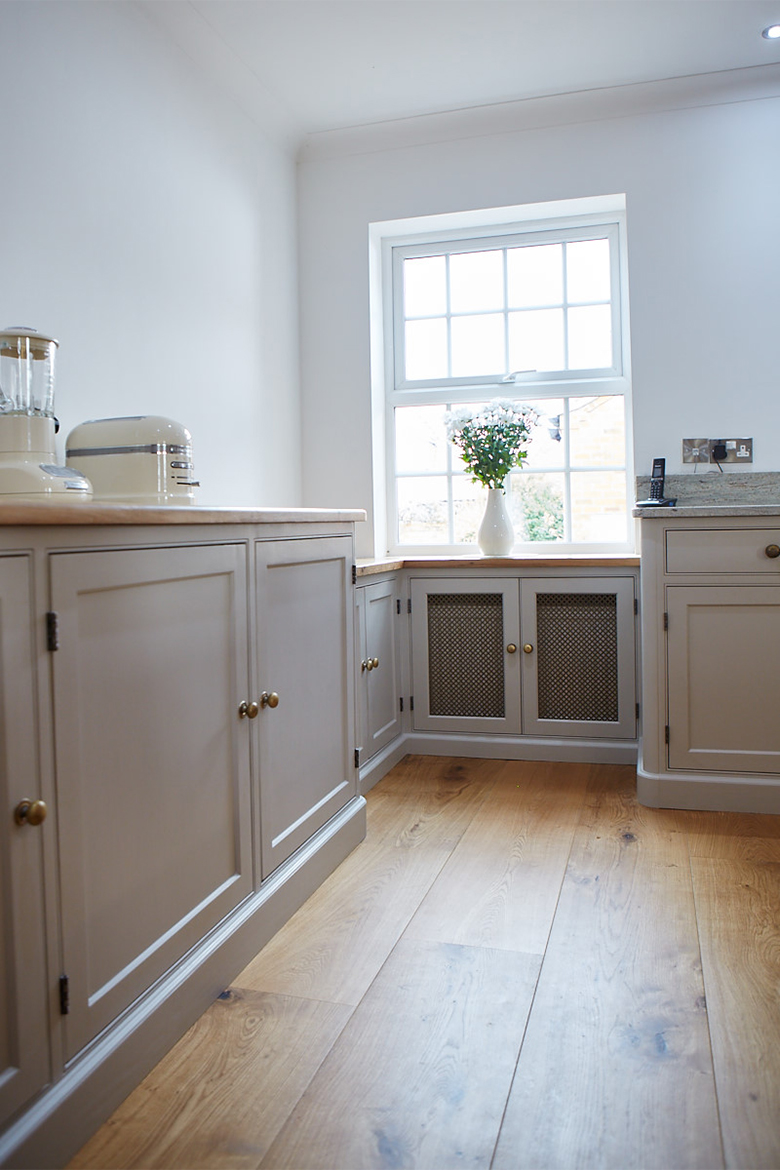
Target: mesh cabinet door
{"x": 465, "y": 679}
{"x": 578, "y": 660}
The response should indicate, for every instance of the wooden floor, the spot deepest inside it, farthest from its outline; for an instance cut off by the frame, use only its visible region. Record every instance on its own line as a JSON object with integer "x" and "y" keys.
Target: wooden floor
{"x": 520, "y": 968}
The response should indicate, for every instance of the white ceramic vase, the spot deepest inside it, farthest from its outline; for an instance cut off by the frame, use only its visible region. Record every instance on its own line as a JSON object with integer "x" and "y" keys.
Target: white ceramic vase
{"x": 496, "y": 535}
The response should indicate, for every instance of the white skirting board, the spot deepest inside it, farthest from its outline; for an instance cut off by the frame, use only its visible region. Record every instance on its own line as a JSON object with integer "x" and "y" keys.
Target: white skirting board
{"x": 68, "y": 1112}
{"x": 708, "y": 793}
{"x": 496, "y": 747}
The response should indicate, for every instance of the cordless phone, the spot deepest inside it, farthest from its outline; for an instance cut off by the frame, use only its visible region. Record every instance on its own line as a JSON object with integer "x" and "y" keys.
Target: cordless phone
{"x": 657, "y": 499}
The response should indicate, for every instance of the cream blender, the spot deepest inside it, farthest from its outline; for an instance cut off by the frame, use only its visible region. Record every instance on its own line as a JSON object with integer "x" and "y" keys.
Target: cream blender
{"x": 28, "y": 470}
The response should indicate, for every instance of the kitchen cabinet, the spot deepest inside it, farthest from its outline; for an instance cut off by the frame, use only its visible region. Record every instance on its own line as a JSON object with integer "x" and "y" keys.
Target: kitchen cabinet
{"x": 305, "y": 654}
{"x": 24, "y": 1001}
{"x": 465, "y": 668}
{"x": 183, "y": 681}
{"x": 378, "y": 680}
{"x": 578, "y": 657}
{"x": 711, "y": 667}
{"x": 527, "y": 657}
{"x": 154, "y": 824}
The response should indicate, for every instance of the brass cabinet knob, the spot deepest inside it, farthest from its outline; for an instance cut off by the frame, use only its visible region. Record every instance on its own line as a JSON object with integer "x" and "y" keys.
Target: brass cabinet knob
{"x": 375, "y": 663}
{"x": 511, "y": 648}
{"x": 369, "y": 664}
{"x": 269, "y": 699}
{"x": 30, "y": 812}
{"x": 247, "y": 710}
{"x": 772, "y": 551}
{"x": 364, "y": 665}
{"x": 528, "y": 648}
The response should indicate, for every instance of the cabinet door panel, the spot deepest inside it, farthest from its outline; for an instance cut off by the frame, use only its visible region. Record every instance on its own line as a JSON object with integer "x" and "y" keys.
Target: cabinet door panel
{"x": 464, "y": 678}
{"x": 24, "y": 1060}
{"x": 579, "y": 673}
{"x": 383, "y": 722}
{"x": 305, "y": 655}
{"x": 152, "y": 763}
{"x": 724, "y": 678}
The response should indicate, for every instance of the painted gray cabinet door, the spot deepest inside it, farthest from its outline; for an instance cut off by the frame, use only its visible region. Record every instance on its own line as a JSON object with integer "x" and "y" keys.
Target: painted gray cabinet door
{"x": 578, "y": 660}
{"x": 305, "y": 647}
{"x": 379, "y": 683}
{"x": 152, "y": 763}
{"x": 24, "y": 1037}
{"x": 724, "y": 677}
{"x": 465, "y": 669}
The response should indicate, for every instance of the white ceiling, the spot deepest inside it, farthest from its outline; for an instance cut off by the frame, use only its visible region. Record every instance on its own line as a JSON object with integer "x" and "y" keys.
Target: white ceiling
{"x": 314, "y": 65}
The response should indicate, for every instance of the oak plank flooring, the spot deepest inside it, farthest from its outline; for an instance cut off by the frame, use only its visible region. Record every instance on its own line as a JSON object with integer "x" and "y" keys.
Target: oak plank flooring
{"x": 364, "y": 1041}
{"x": 615, "y": 1070}
{"x": 518, "y": 841}
{"x": 222, "y": 1093}
{"x": 420, "y": 1073}
{"x": 737, "y": 902}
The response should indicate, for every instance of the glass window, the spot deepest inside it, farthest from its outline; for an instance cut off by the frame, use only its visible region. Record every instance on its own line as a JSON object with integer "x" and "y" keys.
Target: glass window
{"x": 535, "y": 316}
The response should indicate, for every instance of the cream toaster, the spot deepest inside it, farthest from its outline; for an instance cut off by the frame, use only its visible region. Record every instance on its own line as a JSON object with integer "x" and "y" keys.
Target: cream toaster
{"x": 143, "y": 459}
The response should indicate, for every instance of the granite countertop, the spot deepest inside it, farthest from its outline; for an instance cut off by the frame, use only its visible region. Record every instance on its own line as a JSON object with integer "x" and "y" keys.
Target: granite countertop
{"x": 750, "y": 493}
{"x": 97, "y": 512}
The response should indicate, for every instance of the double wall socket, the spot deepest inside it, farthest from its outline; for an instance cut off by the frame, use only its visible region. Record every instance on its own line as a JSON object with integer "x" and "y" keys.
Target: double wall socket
{"x": 703, "y": 450}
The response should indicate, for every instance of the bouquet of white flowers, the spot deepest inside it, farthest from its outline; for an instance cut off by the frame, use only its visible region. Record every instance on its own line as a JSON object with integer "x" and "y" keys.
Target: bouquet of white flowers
{"x": 493, "y": 440}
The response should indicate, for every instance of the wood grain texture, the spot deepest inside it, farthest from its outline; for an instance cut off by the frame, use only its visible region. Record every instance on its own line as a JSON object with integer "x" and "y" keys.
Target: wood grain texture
{"x": 739, "y": 930}
{"x": 420, "y": 1074}
{"x": 615, "y": 1070}
{"x": 750, "y": 837}
{"x": 500, "y": 886}
{"x": 223, "y": 1092}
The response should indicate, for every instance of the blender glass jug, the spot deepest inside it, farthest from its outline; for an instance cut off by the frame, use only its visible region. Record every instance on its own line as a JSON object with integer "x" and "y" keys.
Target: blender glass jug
{"x": 27, "y": 373}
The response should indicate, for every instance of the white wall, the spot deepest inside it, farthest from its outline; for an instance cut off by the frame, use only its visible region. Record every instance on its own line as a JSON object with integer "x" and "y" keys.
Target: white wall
{"x": 701, "y": 188}
{"x": 150, "y": 226}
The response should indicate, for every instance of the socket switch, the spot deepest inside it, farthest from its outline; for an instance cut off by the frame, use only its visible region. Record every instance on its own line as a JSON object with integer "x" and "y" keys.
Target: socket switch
{"x": 737, "y": 450}
{"x": 696, "y": 450}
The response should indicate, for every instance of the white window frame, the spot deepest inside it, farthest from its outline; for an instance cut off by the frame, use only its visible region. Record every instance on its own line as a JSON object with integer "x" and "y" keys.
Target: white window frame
{"x": 390, "y": 243}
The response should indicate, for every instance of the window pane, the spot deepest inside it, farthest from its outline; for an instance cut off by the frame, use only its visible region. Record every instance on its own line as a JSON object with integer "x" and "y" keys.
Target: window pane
{"x": 468, "y": 507}
{"x": 597, "y": 431}
{"x": 590, "y": 338}
{"x": 587, "y": 271}
{"x": 425, "y": 287}
{"x": 476, "y": 282}
{"x": 598, "y": 506}
{"x": 536, "y": 506}
{"x": 478, "y": 345}
{"x": 544, "y": 450}
{"x": 420, "y": 439}
{"x": 426, "y": 349}
{"x": 536, "y": 340}
{"x": 535, "y": 276}
{"x": 422, "y": 510}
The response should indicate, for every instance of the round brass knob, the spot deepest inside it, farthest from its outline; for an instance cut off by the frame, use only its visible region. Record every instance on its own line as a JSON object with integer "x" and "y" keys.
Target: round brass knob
{"x": 375, "y": 663}
{"x": 369, "y": 664}
{"x": 511, "y": 648}
{"x": 269, "y": 699}
{"x": 528, "y": 648}
{"x": 364, "y": 665}
{"x": 247, "y": 710}
{"x": 772, "y": 551}
{"x": 30, "y": 812}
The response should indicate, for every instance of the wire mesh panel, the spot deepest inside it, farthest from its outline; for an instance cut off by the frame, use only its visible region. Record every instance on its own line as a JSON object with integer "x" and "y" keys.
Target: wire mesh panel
{"x": 466, "y": 654}
{"x": 577, "y": 656}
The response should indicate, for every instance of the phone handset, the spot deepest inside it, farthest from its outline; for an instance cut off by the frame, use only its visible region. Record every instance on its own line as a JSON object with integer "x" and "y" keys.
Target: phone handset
{"x": 657, "y": 499}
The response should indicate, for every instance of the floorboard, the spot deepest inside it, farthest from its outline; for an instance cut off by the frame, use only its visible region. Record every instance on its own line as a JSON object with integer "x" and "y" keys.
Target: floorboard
{"x": 421, "y": 1072}
{"x": 221, "y": 1095}
{"x": 615, "y": 1071}
{"x": 520, "y": 967}
{"x": 740, "y": 942}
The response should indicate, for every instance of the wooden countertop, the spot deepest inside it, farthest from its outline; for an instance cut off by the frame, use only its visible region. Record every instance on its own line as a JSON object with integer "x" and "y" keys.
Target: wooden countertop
{"x": 93, "y": 513}
{"x": 372, "y": 566}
